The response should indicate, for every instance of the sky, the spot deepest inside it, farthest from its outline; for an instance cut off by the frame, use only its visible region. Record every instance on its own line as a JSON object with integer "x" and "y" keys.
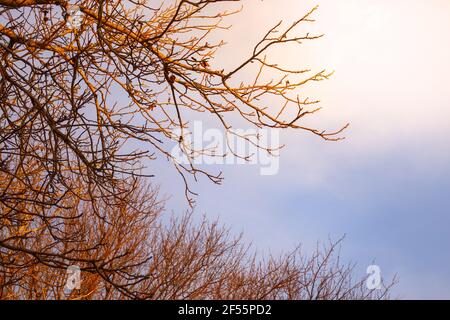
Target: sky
{"x": 386, "y": 187}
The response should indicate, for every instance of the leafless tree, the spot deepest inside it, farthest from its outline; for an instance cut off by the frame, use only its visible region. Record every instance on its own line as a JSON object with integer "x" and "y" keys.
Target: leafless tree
{"x": 61, "y": 89}
{"x": 131, "y": 251}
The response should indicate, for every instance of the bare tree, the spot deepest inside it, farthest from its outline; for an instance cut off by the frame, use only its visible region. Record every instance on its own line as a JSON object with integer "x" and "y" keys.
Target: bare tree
{"x": 76, "y": 100}
{"x": 61, "y": 89}
{"x": 130, "y": 251}
{"x": 38, "y": 244}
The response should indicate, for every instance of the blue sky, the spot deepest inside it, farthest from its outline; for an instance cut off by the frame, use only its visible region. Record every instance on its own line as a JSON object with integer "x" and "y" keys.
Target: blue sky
{"x": 386, "y": 187}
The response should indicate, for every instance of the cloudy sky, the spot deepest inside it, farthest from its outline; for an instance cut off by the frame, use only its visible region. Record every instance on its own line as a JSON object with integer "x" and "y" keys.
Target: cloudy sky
{"x": 387, "y": 186}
